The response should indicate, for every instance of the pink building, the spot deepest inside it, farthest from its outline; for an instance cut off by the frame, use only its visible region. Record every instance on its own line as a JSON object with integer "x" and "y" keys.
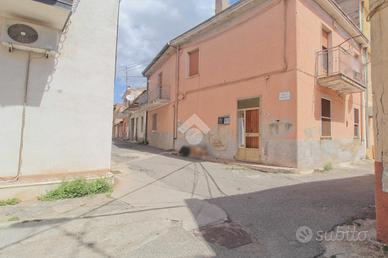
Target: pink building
{"x": 276, "y": 82}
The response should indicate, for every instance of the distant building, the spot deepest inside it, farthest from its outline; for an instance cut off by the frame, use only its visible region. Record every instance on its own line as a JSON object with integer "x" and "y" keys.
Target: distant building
{"x": 138, "y": 119}
{"x": 57, "y": 74}
{"x": 275, "y": 82}
{"x": 129, "y": 121}
{"x": 120, "y": 122}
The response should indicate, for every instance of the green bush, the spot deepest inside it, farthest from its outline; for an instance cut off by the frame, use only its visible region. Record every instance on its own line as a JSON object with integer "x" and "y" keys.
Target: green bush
{"x": 11, "y": 201}
{"x": 13, "y": 218}
{"x": 328, "y": 166}
{"x": 77, "y": 188}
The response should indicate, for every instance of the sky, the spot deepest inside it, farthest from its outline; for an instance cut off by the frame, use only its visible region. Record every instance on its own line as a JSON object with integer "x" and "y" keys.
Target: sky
{"x": 145, "y": 26}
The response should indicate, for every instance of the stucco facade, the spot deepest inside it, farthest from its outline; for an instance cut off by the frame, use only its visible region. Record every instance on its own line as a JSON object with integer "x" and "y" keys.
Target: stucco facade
{"x": 265, "y": 50}
{"x": 342, "y": 146}
{"x": 379, "y": 34}
{"x": 69, "y": 96}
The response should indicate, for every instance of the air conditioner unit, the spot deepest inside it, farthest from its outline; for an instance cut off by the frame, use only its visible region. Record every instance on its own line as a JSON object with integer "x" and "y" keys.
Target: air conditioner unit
{"x": 30, "y": 37}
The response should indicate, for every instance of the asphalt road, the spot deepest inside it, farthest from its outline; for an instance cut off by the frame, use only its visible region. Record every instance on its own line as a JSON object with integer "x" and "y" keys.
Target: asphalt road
{"x": 164, "y": 206}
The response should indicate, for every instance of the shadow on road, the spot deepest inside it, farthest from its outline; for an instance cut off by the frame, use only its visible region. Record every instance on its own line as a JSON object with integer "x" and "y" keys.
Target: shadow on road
{"x": 267, "y": 219}
{"x": 272, "y": 216}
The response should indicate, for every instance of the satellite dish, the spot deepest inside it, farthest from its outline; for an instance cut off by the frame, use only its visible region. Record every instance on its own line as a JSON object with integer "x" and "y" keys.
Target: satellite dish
{"x": 130, "y": 98}
{"x": 22, "y": 33}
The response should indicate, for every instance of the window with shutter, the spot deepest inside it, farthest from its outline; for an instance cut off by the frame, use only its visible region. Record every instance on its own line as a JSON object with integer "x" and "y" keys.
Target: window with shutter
{"x": 326, "y": 117}
{"x": 356, "y": 123}
{"x": 194, "y": 62}
{"x": 154, "y": 122}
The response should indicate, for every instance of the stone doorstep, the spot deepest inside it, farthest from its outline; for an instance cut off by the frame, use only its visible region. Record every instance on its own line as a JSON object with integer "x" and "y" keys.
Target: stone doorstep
{"x": 260, "y": 167}
{"x": 272, "y": 169}
{"x": 54, "y": 179}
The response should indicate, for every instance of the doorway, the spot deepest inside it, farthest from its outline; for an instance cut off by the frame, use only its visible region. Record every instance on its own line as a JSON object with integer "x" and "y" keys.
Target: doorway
{"x": 248, "y": 115}
{"x": 132, "y": 133}
{"x": 326, "y": 45}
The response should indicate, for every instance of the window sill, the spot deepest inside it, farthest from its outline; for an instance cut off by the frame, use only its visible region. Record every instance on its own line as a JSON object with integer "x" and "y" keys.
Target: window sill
{"x": 192, "y": 76}
{"x": 326, "y": 138}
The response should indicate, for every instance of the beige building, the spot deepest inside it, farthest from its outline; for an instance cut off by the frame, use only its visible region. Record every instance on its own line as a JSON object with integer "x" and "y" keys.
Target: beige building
{"x": 129, "y": 117}
{"x": 138, "y": 118}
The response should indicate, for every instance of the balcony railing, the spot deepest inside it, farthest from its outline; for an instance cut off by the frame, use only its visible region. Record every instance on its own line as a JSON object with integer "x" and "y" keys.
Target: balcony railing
{"x": 158, "y": 96}
{"x": 340, "y": 70}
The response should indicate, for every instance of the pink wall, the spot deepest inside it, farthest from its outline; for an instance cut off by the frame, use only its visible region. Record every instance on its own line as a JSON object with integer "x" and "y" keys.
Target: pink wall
{"x": 244, "y": 58}
{"x": 233, "y": 61}
{"x": 162, "y": 137}
{"x": 310, "y": 21}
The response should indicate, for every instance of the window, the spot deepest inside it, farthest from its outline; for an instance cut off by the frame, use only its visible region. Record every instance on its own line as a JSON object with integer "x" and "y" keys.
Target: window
{"x": 362, "y": 15}
{"x": 325, "y": 47}
{"x": 326, "y": 117}
{"x": 356, "y": 123}
{"x": 142, "y": 124}
{"x": 160, "y": 79}
{"x": 154, "y": 122}
{"x": 194, "y": 62}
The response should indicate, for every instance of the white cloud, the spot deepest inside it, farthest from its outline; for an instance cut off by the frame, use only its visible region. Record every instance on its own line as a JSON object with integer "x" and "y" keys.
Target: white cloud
{"x": 147, "y": 25}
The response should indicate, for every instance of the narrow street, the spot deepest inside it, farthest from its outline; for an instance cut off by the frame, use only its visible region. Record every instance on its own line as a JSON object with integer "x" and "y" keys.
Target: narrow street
{"x": 166, "y": 206}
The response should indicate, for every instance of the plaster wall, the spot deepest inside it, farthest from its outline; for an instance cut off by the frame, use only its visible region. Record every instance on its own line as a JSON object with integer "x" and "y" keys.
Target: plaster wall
{"x": 342, "y": 146}
{"x": 379, "y": 24}
{"x": 236, "y": 63}
{"x": 68, "y": 115}
{"x": 379, "y": 34}
{"x": 252, "y": 56}
{"x": 162, "y": 137}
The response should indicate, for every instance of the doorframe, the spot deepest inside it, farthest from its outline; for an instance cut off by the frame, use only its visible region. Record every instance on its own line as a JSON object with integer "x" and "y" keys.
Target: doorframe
{"x": 260, "y": 111}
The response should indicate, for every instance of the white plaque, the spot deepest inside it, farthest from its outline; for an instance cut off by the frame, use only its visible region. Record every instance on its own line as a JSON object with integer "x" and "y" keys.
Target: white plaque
{"x": 284, "y": 95}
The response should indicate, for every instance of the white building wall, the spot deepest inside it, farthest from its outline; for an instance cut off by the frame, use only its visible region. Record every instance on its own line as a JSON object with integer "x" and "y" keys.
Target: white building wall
{"x": 68, "y": 118}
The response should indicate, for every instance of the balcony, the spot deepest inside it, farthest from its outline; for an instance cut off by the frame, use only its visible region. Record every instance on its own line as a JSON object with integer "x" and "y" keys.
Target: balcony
{"x": 340, "y": 70}
{"x": 158, "y": 96}
{"x": 51, "y": 13}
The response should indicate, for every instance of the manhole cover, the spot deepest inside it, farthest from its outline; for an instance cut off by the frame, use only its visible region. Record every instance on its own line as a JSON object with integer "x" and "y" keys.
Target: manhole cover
{"x": 229, "y": 235}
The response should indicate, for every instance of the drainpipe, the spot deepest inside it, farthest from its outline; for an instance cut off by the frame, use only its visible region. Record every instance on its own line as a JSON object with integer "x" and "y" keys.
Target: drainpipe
{"x": 366, "y": 98}
{"x": 146, "y": 114}
{"x": 378, "y": 16}
{"x": 176, "y": 104}
{"x": 21, "y": 144}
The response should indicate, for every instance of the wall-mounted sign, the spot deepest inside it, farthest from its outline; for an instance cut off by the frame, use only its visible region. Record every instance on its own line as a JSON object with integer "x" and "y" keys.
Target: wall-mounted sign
{"x": 284, "y": 95}
{"x": 224, "y": 120}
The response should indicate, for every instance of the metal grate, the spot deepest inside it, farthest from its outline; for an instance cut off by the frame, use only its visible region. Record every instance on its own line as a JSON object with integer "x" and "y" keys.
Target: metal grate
{"x": 22, "y": 33}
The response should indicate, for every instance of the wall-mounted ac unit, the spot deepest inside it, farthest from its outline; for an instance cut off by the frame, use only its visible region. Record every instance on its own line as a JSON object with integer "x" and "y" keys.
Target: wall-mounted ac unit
{"x": 30, "y": 37}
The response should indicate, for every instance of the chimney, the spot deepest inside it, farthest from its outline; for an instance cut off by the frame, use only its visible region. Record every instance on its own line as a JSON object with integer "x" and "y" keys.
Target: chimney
{"x": 221, "y": 5}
